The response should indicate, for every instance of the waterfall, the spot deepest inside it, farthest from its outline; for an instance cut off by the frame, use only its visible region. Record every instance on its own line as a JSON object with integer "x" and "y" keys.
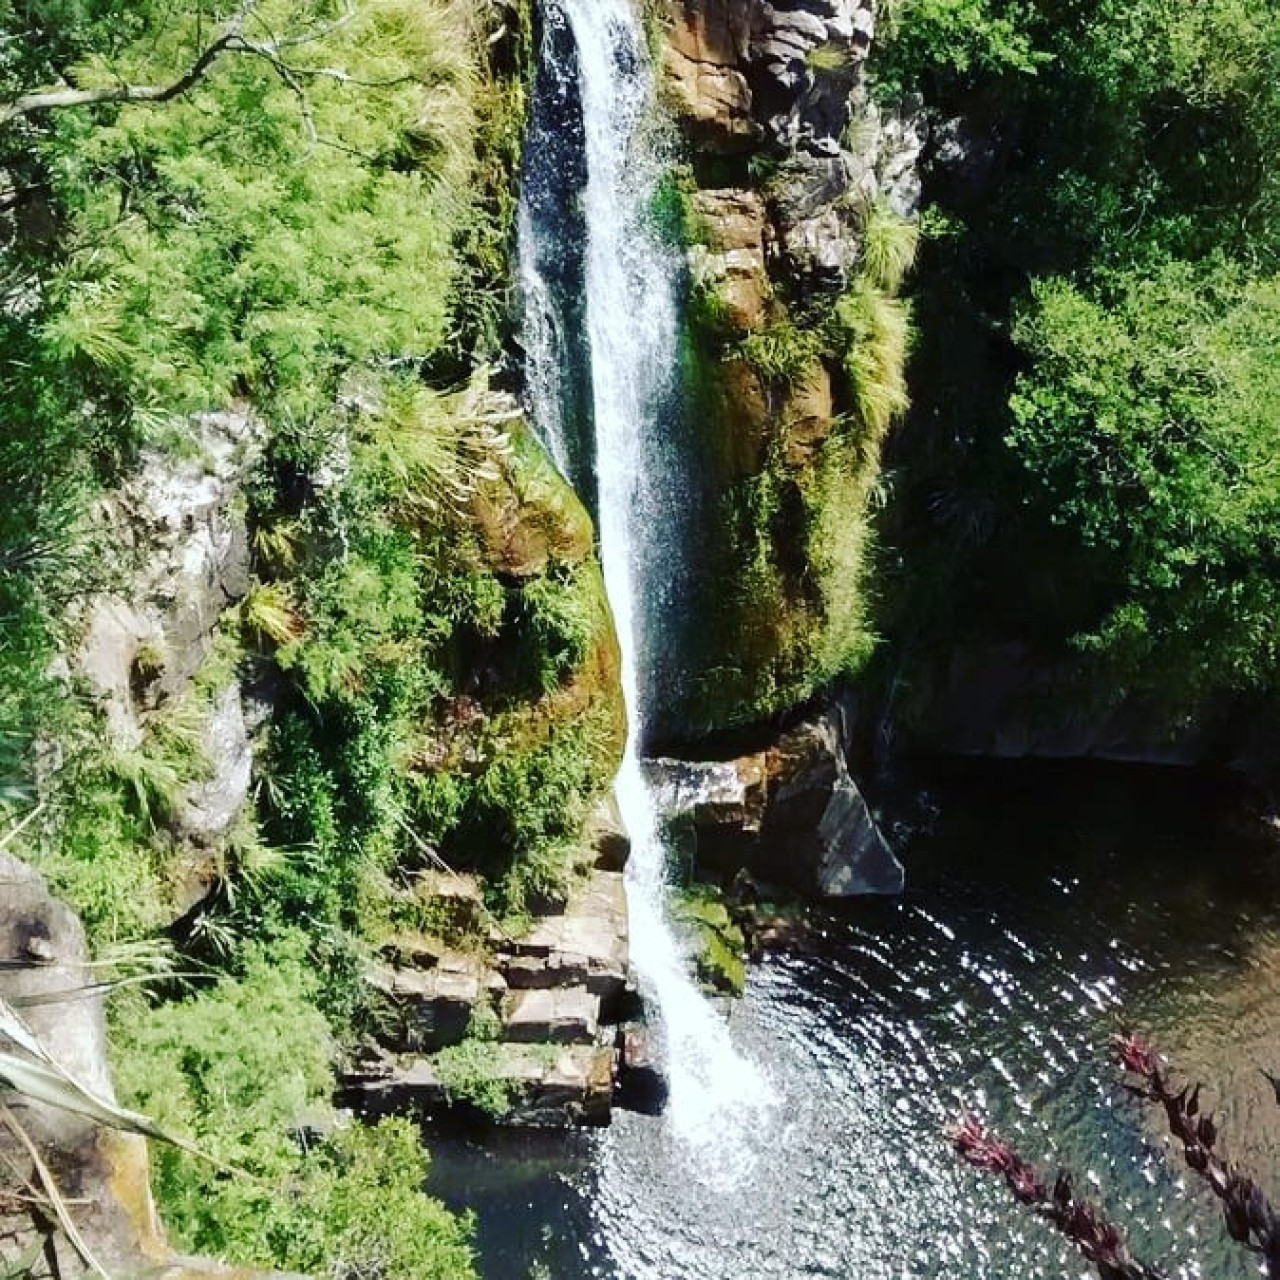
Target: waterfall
{"x": 632, "y": 329}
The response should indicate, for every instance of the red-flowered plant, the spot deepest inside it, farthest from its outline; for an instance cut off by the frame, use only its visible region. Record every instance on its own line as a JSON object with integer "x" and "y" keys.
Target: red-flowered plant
{"x": 1250, "y": 1218}
{"x": 1080, "y": 1222}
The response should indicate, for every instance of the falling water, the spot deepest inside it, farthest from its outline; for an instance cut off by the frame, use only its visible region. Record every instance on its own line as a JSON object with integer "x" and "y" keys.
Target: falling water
{"x": 631, "y": 286}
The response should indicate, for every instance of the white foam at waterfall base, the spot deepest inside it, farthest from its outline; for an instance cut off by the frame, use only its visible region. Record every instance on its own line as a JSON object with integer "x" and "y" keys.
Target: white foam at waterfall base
{"x": 717, "y": 1098}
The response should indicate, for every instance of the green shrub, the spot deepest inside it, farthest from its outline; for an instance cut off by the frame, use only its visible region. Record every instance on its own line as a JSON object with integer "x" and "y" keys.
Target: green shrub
{"x": 889, "y": 244}
{"x": 782, "y": 352}
{"x": 244, "y": 1070}
{"x": 561, "y": 619}
{"x": 875, "y": 332}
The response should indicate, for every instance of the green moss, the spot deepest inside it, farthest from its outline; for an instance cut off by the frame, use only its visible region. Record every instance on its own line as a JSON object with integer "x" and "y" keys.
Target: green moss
{"x": 719, "y": 947}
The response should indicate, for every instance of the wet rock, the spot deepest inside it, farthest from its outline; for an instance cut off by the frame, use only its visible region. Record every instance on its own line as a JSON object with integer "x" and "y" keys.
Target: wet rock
{"x": 552, "y": 990}
{"x": 607, "y": 837}
{"x": 591, "y": 936}
{"x": 807, "y": 415}
{"x": 642, "y": 1086}
{"x": 529, "y": 515}
{"x": 818, "y": 827}
{"x": 719, "y": 796}
{"x": 792, "y": 814}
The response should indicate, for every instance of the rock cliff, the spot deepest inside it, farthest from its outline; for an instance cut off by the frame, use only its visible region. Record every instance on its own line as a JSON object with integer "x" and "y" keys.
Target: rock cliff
{"x": 798, "y": 196}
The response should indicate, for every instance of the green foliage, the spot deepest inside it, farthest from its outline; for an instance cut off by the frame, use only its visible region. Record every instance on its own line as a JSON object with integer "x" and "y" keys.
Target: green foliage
{"x": 719, "y": 944}
{"x": 889, "y": 244}
{"x": 219, "y": 264}
{"x": 426, "y": 453}
{"x": 216, "y": 1067}
{"x": 103, "y": 862}
{"x": 875, "y": 330}
{"x": 472, "y": 1071}
{"x": 561, "y": 623}
{"x": 962, "y": 38}
{"x": 782, "y": 352}
{"x": 1151, "y": 426}
{"x": 1086, "y": 467}
{"x": 671, "y": 212}
{"x": 522, "y": 814}
{"x": 367, "y": 1214}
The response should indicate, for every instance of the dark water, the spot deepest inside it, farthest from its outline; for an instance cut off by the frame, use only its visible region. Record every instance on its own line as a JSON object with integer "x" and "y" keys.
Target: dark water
{"x": 1047, "y": 909}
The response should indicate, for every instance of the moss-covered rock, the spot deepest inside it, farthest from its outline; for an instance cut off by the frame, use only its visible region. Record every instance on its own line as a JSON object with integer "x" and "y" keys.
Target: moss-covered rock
{"x": 528, "y": 517}
{"x": 719, "y": 945}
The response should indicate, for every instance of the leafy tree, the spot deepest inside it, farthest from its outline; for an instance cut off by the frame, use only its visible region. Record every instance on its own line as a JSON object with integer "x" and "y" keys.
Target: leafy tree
{"x": 1086, "y": 468}
{"x": 1150, "y": 419}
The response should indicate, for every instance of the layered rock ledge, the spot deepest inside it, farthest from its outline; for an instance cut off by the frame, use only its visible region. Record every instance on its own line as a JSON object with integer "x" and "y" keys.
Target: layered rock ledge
{"x": 531, "y": 1031}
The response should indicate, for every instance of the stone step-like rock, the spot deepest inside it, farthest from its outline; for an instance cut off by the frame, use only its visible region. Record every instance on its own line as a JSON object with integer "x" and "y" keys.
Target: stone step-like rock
{"x": 425, "y": 1009}
{"x": 587, "y": 943}
{"x": 558, "y": 1015}
{"x": 570, "y": 1087}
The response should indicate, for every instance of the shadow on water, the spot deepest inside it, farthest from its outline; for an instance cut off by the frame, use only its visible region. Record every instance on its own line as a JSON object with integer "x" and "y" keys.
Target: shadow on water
{"x": 1048, "y": 908}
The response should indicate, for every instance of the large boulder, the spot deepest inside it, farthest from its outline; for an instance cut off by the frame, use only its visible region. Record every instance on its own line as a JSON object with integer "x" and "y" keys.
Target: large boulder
{"x": 791, "y": 814}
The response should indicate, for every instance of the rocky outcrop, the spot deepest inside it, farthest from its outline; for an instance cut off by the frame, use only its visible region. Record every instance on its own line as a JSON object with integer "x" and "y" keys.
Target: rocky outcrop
{"x": 175, "y": 534}
{"x": 790, "y": 815}
{"x": 797, "y": 188}
{"x": 740, "y": 72}
{"x": 707, "y": 56}
{"x": 548, "y": 1005}
{"x": 572, "y": 1087}
{"x": 102, "y": 1174}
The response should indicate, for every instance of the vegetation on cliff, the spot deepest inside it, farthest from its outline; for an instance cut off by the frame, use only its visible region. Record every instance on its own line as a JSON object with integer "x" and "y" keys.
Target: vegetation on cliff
{"x": 310, "y": 237}
{"x": 1089, "y": 468}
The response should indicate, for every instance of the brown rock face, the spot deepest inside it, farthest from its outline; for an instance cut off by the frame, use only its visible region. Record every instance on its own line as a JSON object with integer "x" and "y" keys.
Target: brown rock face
{"x": 808, "y": 414}
{"x": 731, "y": 261}
{"x": 706, "y": 84}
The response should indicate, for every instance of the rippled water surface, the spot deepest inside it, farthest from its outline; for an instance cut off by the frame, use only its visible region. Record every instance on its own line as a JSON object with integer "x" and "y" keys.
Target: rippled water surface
{"x": 1047, "y": 909}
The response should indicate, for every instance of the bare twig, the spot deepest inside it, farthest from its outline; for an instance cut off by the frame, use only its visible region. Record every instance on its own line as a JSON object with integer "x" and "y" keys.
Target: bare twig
{"x": 231, "y": 40}
{"x": 53, "y": 1195}
{"x": 19, "y": 827}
